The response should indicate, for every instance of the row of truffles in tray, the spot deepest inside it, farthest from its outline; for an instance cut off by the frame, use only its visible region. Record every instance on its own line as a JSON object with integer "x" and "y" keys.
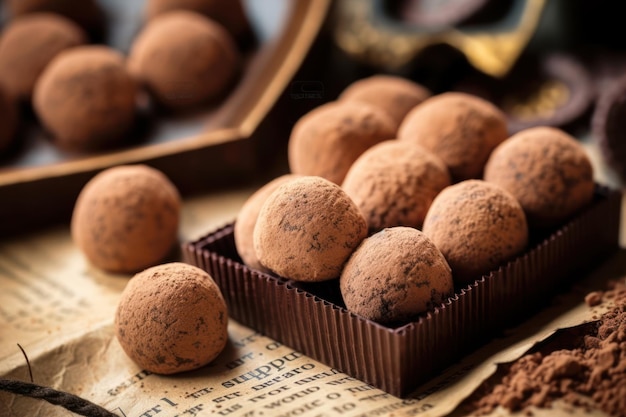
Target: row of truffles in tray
{"x": 171, "y": 316}
{"x": 88, "y": 95}
{"x": 403, "y": 211}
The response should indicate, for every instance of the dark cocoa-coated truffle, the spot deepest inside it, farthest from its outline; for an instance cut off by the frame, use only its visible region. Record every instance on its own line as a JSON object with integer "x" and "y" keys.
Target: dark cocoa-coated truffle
{"x": 86, "y": 13}
{"x": 459, "y": 128}
{"x": 230, "y": 14}
{"x": 395, "y": 95}
{"x": 27, "y": 46}
{"x": 393, "y": 183}
{"x": 126, "y": 218}
{"x": 184, "y": 59}
{"x": 307, "y": 229}
{"x": 546, "y": 170}
{"x": 477, "y": 226}
{"x": 394, "y": 275}
{"x": 86, "y": 98}
{"x": 247, "y": 217}
{"x": 172, "y": 318}
{"x": 327, "y": 140}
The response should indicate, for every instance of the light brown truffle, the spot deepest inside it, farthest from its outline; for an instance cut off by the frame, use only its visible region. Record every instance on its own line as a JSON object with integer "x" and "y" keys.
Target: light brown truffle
{"x": 86, "y": 13}
{"x": 247, "y": 217}
{"x": 394, "y": 95}
{"x": 184, "y": 59}
{"x": 307, "y": 229}
{"x": 86, "y": 98}
{"x": 27, "y": 46}
{"x": 172, "y": 318}
{"x": 9, "y": 119}
{"x": 394, "y": 275}
{"x": 229, "y": 14}
{"x": 478, "y": 226}
{"x": 394, "y": 183}
{"x": 459, "y": 128}
{"x": 126, "y": 218}
{"x": 327, "y": 140}
{"x": 548, "y": 172}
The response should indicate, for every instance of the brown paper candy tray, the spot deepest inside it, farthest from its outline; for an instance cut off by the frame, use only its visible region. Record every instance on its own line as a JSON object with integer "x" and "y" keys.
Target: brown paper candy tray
{"x": 313, "y": 320}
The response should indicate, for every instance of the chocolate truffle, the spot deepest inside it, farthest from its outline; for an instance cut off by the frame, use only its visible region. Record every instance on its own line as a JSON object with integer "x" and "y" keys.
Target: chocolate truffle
{"x": 184, "y": 59}
{"x": 229, "y": 14}
{"x": 477, "y": 226}
{"x": 86, "y": 13}
{"x": 27, "y": 46}
{"x": 126, "y": 218}
{"x": 327, "y": 140}
{"x": 9, "y": 119}
{"x": 547, "y": 171}
{"x": 86, "y": 98}
{"x": 395, "y": 95}
{"x": 394, "y": 275}
{"x": 307, "y": 229}
{"x": 172, "y": 318}
{"x": 246, "y": 220}
{"x": 459, "y": 128}
{"x": 393, "y": 183}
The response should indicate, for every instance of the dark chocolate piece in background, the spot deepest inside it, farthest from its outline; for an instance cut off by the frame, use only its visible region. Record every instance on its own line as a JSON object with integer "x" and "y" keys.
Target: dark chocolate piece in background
{"x": 548, "y": 90}
{"x": 609, "y": 123}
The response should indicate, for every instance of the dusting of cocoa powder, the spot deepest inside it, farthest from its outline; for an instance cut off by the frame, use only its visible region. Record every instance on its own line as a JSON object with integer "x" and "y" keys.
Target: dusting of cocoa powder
{"x": 594, "y": 369}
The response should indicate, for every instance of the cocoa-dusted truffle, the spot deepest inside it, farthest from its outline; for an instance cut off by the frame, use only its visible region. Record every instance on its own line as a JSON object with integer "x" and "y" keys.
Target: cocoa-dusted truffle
{"x": 27, "y": 46}
{"x": 86, "y": 98}
{"x": 86, "y": 13}
{"x": 477, "y": 226}
{"x": 9, "y": 119}
{"x": 247, "y": 217}
{"x": 394, "y": 275}
{"x": 459, "y": 128}
{"x": 395, "y": 95}
{"x": 546, "y": 170}
{"x": 327, "y": 140}
{"x": 184, "y": 59}
{"x": 230, "y": 14}
{"x": 393, "y": 183}
{"x": 126, "y": 218}
{"x": 307, "y": 229}
{"x": 172, "y": 318}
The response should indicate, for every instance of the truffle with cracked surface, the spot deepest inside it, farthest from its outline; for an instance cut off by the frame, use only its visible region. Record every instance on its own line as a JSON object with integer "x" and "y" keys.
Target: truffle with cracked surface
{"x": 172, "y": 318}
{"x": 184, "y": 59}
{"x": 327, "y": 140}
{"x": 27, "y": 46}
{"x": 307, "y": 229}
{"x": 460, "y": 128}
{"x": 393, "y": 94}
{"x": 394, "y": 275}
{"x": 126, "y": 218}
{"x": 247, "y": 217}
{"x": 478, "y": 226}
{"x": 394, "y": 183}
{"x": 547, "y": 171}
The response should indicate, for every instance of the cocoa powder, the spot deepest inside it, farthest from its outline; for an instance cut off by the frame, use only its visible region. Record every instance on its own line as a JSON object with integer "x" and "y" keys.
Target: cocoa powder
{"x": 591, "y": 375}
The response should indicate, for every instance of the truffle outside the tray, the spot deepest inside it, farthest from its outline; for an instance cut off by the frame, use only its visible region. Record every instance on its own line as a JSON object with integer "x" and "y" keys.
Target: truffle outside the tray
{"x": 397, "y": 360}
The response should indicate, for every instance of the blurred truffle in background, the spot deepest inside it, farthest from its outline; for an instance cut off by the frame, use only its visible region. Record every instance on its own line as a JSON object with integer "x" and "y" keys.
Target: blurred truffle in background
{"x": 28, "y": 44}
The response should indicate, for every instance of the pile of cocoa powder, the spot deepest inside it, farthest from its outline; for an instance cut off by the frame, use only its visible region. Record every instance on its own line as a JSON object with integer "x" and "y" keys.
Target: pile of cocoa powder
{"x": 591, "y": 375}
